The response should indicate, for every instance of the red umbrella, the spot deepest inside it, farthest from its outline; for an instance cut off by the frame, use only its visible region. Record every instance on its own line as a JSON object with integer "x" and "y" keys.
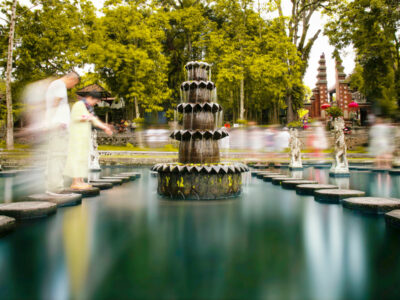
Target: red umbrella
{"x": 325, "y": 105}
{"x": 353, "y": 104}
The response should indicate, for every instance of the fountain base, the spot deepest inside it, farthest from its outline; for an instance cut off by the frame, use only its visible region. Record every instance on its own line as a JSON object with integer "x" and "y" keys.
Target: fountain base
{"x": 199, "y": 182}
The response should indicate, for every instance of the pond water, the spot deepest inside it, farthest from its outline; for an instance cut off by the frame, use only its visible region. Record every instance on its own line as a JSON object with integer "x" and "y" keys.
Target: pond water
{"x": 269, "y": 243}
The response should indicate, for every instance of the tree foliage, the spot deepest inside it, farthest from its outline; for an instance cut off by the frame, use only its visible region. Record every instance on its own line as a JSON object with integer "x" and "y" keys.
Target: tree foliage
{"x": 138, "y": 48}
{"x": 373, "y": 28}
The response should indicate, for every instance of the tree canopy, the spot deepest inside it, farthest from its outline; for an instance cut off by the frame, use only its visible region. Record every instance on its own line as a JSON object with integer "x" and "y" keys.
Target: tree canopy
{"x": 258, "y": 53}
{"x": 373, "y": 29}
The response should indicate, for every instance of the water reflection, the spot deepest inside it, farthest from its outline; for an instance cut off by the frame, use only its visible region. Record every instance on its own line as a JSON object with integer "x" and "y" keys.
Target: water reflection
{"x": 128, "y": 243}
{"x": 341, "y": 182}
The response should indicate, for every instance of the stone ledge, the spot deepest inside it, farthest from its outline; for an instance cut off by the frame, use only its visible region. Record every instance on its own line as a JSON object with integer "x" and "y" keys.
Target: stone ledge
{"x": 373, "y": 205}
{"x": 61, "y": 200}
{"x": 392, "y": 218}
{"x": 90, "y": 192}
{"x": 102, "y": 185}
{"x": 114, "y": 181}
{"x": 279, "y": 179}
{"x": 292, "y": 184}
{"x": 7, "y": 224}
{"x": 309, "y": 189}
{"x": 270, "y": 176}
{"x": 336, "y": 195}
{"x": 28, "y": 210}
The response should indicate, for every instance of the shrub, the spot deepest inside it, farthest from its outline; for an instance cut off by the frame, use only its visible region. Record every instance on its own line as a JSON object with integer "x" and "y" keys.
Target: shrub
{"x": 241, "y": 121}
{"x": 334, "y": 112}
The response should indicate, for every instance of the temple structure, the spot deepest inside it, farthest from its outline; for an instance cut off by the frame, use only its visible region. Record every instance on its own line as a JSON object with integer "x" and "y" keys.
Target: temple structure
{"x": 339, "y": 95}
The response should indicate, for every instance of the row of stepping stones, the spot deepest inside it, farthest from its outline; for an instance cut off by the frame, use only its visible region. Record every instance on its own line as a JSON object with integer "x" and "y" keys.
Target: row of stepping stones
{"x": 327, "y": 193}
{"x": 42, "y": 205}
{"x": 395, "y": 171}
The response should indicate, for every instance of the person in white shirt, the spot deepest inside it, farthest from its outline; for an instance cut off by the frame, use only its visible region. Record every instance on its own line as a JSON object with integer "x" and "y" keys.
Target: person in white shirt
{"x": 58, "y": 120}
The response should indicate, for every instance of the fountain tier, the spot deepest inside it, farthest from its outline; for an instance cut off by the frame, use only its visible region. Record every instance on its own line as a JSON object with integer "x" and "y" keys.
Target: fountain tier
{"x": 199, "y": 173}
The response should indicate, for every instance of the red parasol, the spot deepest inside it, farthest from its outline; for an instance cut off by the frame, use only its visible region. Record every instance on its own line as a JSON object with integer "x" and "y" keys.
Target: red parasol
{"x": 353, "y": 104}
{"x": 325, "y": 105}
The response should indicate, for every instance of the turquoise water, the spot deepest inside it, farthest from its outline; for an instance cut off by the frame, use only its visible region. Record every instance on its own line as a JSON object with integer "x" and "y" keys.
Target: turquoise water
{"x": 270, "y": 243}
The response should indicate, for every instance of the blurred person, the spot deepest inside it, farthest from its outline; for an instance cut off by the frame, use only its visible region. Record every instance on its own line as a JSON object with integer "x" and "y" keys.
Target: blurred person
{"x": 34, "y": 98}
{"x": 82, "y": 118}
{"x": 316, "y": 139}
{"x": 57, "y": 122}
{"x": 281, "y": 141}
{"x": 381, "y": 143}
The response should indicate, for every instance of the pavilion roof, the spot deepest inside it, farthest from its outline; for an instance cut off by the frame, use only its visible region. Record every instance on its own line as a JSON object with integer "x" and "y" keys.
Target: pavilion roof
{"x": 95, "y": 88}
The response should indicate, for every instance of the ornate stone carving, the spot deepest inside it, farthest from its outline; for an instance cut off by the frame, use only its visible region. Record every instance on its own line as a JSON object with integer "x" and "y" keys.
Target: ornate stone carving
{"x": 340, "y": 165}
{"x": 295, "y": 150}
{"x": 93, "y": 152}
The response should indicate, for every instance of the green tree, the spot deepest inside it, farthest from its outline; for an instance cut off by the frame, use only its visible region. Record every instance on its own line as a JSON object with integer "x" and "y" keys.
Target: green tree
{"x": 127, "y": 52}
{"x": 372, "y": 28}
{"x": 296, "y": 25}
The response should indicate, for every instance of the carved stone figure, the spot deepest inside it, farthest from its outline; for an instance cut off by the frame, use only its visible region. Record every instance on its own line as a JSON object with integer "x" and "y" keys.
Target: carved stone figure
{"x": 340, "y": 166}
{"x": 94, "y": 152}
{"x": 295, "y": 150}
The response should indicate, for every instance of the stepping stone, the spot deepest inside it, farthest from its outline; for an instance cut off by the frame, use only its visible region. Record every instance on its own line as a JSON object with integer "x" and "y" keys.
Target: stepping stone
{"x": 8, "y": 173}
{"x": 322, "y": 166}
{"x": 339, "y": 175}
{"x": 296, "y": 168}
{"x": 131, "y": 177}
{"x": 278, "y": 180}
{"x": 124, "y": 179}
{"x": 379, "y": 170}
{"x": 61, "y": 199}
{"x": 268, "y": 177}
{"x": 374, "y": 205}
{"x": 113, "y": 181}
{"x": 336, "y": 195}
{"x": 260, "y": 166}
{"x": 360, "y": 168}
{"x": 136, "y": 174}
{"x": 309, "y": 189}
{"x": 394, "y": 171}
{"x": 7, "y": 224}
{"x": 94, "y": 191}
{"x": 392, "y": 218}
{"x": 102, "y": 185}
{"x": 291, "y": 184}
{"x": 261, "y": 175}
{"x": 28, "y": 209}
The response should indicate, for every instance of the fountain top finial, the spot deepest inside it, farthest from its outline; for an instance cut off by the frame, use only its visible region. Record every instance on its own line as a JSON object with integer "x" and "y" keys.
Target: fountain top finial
{"x": 197, "y": 64}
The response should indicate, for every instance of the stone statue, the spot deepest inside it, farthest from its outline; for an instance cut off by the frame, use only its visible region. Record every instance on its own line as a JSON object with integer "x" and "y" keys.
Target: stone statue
{"x": 295, "y": 150}
{"x": 94, "y": 164}
{"x": 340, "y": 166}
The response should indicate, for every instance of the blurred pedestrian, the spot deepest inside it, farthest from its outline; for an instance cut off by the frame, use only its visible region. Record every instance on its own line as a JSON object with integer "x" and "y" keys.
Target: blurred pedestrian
{"x": 82, "y": 118}
{"x": 57, "y": 121}
{"x": 381, "y": 143}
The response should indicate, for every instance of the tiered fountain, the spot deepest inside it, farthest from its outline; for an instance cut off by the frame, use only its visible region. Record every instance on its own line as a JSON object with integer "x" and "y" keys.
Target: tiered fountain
{"x": 199, "y": 173}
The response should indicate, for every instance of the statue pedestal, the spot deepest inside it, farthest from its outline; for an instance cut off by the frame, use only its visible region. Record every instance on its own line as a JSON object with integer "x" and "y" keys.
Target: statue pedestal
{"x": 294, "y": 168}
{"x": 339, "y": 172}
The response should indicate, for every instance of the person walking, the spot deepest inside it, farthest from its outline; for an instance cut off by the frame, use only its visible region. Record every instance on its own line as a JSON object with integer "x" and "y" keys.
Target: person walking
{"x": 82, "y": 118}
{"x": 57, "y": 122}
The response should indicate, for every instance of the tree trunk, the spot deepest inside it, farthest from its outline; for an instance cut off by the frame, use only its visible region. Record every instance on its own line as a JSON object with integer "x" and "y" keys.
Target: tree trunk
{"x": 290, "y": 113}
{"x": 137, "y": 109}
{"x": 241, "y": 113}
{"x": 10, "y": 122}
